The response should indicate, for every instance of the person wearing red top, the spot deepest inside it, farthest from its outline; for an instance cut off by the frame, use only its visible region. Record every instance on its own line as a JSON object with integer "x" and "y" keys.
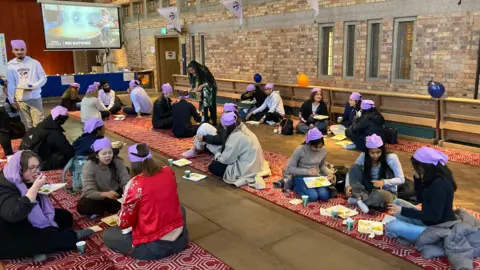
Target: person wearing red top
{"x": 151, "y": 222}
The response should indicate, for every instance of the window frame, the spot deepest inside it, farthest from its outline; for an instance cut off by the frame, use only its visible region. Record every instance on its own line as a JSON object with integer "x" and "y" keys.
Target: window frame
{"x": 320, "y": 51}
{"x": 192, "y": 47}
{"x": 369, "y": 49}
{"x": 202, "y": 48}
{"x": 345, "y": 44}
{"x": 395, "y": 48}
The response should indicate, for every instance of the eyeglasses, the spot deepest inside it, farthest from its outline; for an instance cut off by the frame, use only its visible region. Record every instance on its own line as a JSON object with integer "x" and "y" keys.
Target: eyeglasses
{"x": 34, "y": 168}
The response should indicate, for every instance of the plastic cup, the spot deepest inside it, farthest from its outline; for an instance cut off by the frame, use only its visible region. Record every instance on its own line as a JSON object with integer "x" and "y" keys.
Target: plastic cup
{"x": 349, "y": 225}
{"x": 187, "y": 173}
{"x": 170, "y": 162}
{"x": 81, "y": 247}
{"x": 304, "y": 200}
{"x": 334, "y": 214}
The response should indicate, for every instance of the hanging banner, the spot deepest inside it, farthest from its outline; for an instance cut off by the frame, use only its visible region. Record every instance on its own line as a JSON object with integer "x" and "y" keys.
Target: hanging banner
{"x": 236, "y": 7}
{"x": 314, "y": 5}
{"x": 173, "y": 16}
{"x": 3, "y": 56}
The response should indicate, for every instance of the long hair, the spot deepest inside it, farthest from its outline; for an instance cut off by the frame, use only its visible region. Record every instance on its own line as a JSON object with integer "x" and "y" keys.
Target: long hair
{"x": 357, "y": 105}
{"x": 111, "y": 166}
{"x": 148, "y": 167}
{"x": 202, "y": 73}
{"x": 26, "y": 155}
{"x": 384, "y": 167}
{"x": 432, "y": 172}
{"x": 312, "y": 96}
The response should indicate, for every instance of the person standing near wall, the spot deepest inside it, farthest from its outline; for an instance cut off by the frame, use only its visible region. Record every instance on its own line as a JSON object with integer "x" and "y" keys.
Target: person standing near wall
{"x": 5, "y": 128}
{"x": 25, "y": 80}
{"x": 207, "y": 86}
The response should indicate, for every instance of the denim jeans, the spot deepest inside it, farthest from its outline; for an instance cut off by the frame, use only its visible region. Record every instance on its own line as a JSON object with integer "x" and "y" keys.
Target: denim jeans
{"x": 407, "y": 228}
{"x": 314, "y": 194}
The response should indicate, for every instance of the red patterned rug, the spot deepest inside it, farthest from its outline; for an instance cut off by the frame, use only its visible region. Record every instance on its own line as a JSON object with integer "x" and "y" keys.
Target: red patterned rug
{"x": 100, "y": 257}
{"x": 139, "y": 130}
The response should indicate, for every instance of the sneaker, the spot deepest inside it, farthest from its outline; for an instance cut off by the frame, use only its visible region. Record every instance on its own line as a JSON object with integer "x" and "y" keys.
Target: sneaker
{"x": 271, "y": 123}
{"x": 363, "y": 207}
{"x": 352, "y": 200}
{"x": 189, "y": 154}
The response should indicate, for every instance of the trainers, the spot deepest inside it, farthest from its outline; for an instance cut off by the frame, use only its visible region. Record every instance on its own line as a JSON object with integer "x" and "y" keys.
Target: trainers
{"x": 363, "y": 207}
{"x": 352, "y": 200}
{"x": 189, "y": 154}
{"x": 271, "y": 123}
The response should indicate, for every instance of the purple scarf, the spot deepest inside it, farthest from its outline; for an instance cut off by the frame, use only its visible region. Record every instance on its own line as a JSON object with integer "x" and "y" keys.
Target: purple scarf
{"x": 42, "y": 214}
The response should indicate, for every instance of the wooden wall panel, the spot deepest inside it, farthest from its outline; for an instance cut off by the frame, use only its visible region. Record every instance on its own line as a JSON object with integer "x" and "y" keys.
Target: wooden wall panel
{"x": 22, "y": 19}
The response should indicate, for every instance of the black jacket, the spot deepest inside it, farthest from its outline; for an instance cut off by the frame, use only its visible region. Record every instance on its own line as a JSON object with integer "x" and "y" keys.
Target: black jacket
{"x": 259, "y": 96}
{"x": 182, "y": 113}
{"x": 14, "y": 208}
{"x": 218, "y": 139}
{"x": 307, "y": 113}
{"x": 49, "y": 142}
{"x": 371, "y": 122}
{"x": 436, "y": 194}
{"x": 83, "y": 144}
{"x": 162, "y": 109}
{"x": 349, "y": 114}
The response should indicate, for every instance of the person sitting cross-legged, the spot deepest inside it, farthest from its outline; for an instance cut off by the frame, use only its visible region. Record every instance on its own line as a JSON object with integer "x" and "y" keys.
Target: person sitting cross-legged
{"x": 274, "y": 103}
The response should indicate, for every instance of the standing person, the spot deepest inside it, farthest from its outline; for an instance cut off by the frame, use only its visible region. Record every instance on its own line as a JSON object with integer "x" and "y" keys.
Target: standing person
{"x": 5, "y": 127}
{"x": 370, "y": 122}
{"x": 273, "y": 103}
{"x": 108, "y": 98}
{"x": 255, "y": 94}
{"x": 312, "y": 107}
{"x": 202, "y": 80}
{"x": 435, "y": 190}
{"x": 104, "y": 178}
{"x": 26, "y": 78}
{"x": 182, "y": 113}
{"x": 162, "y": 109}
{"x": 373, "y": 180}
{"x": 352, "y": 109}
{"x": 70, "y": 97}
{"x": 141, "y": 103}
{"x": 106, "y": 19}
{"x": 152, "y": 210}
{"x": 91, "y": 106}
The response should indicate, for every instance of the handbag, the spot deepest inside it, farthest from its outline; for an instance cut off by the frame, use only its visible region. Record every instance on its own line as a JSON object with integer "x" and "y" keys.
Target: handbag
{"x": 287, "y": 126}
{"x": 391, "y": 135}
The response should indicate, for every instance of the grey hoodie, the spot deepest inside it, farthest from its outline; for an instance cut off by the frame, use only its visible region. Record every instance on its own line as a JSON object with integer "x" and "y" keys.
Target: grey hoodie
{"x": 24, "y": 73}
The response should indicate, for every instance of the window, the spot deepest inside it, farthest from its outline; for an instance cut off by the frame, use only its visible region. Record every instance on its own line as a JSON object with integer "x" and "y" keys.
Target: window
{"x": 349, "y": 54}
{"x": 125, "y": 11}
{"x": 168, "y": 3}
{"x": 202, "y": 48}
{"x": 192, "y": 47}
{"x": 403, "y": 58}
{"x": 153, "y": 5}
{"x": 373, "y": 49}
{"x": 326, "y": 51}
{"x": 138, "y": 8}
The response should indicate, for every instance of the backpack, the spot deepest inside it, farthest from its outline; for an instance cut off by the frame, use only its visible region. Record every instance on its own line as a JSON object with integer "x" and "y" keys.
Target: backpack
{"x": 391, "y": 135}
{"x": 287, "y": 126}
{"x": 75, "y": 166}
{"x": 33, "y": 140}
{"x": 341, "y": 175}
{"x": 17, "y": 127}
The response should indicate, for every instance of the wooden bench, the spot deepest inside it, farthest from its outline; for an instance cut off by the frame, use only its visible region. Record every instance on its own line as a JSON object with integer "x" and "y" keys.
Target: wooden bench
{"x": 460, "y": 120}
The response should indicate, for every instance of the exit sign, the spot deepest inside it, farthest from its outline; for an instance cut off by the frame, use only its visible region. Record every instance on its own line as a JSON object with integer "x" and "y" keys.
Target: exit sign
{"x": 163, "y": 31}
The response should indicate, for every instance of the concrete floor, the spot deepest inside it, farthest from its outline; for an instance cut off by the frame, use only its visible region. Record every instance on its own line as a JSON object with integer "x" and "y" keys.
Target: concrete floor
{"x": 247, "y": 232}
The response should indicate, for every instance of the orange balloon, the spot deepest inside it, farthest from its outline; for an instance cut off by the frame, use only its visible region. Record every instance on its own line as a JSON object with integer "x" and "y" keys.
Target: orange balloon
{"x": 302, "y": 80}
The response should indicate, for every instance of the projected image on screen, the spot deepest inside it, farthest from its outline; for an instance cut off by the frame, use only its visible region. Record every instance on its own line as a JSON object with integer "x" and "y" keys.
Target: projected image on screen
{"x": 80, "y": 27}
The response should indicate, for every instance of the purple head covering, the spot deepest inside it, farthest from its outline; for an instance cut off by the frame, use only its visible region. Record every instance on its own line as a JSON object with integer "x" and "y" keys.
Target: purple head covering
{"x": 313, "y": 134}
{"x": 42, "y": 215}
{"x": 314, "y": 90}
{"x": 228, "y": 119}
{"x": 97, "y": 84}
{"x": 430, "y": 156}
{"x": 18, "y": 44}
{"x": 92, "y": 88}
{"x": 251, "y": 88}
{"x": 269, "y": 86}
{"x": 133, "y": 83}
{"x": 374, "y": 141}
{"x": 167, "y": 88}
{"x": 59, "y": 110}
{"x": 367, "y": 104}
{"x": 76, "y": 85}
{"x": 230, "y": 107}
{"x": 101, "y": 144}
{"x": 355, "y": 96}
{"x": 132, "y": 151}
{"x": 92, "y": 124}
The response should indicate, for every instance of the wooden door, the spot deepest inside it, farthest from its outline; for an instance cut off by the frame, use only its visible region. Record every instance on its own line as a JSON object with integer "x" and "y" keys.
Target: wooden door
{"x": 168, "y": 57}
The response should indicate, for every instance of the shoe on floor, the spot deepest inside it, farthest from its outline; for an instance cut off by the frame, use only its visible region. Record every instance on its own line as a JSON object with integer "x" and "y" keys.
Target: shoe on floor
{"x": 363, "y": 207}
{"x": 352, "y": 200}
{"x": 189, "y": 154}
{"x": 271, "y": 123}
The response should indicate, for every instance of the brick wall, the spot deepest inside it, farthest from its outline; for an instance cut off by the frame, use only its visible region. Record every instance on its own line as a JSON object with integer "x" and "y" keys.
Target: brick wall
{"x": 445, "y": 48}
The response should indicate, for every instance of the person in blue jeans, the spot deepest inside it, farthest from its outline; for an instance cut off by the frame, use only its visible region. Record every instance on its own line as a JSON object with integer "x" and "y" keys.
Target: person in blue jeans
{"x": 308, "y": 160}
{"x": 434, "y": 188}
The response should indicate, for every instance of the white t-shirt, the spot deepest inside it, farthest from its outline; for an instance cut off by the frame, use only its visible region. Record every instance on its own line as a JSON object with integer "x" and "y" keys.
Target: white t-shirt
{"x": 108, "y": 99}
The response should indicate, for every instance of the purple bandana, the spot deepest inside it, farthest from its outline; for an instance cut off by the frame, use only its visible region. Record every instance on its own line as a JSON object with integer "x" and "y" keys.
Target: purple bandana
{"x": 355, "y": 96}
{"x": 167, "y": 88}
{"x": 92, "y": 88}
{"x": 92, "y": 124}
{"x": 228, "y": 119}
{"x": 374, "y": 141}
{"x": 18, "y": 44}
{"x": 269, "y": 86}
{"x": 251, "y": 88}
{"x": 134, "y": 83}
{"x": 230, "y": 107}
{"x": 133, "y": 158}
{"x": 59, "y": 110}
{"x": 101, "y": 144}
{"x": 367, "y": 105}
{"x": 430, "y": 156}
{"x": 76, "y": 85}
{"x": 313, "y": 134}
{"x": 314, "y": 90}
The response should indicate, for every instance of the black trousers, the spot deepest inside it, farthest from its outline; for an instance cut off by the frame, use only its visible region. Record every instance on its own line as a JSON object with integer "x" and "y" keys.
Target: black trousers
{"x": 213, "y": 111}
{"x": 90, "y": 207}
{"x": 358, "y": 140}
{"x": 275, "y": 117}
{"x": 5, "y": 132}
{"x": 117, "y": 106}
{"x": 30, "y": 241}
{"x": 165, "y": 123}
{"x": 217, "y": 168}
{"x": 187, "y": 133}
{"x": 55, "y": 161}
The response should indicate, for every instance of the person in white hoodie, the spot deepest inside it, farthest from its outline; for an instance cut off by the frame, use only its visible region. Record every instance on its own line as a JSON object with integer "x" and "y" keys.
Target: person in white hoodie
{"x": 26, "y": 78}
{"x": 141, "y": 103}
{"x": 274, "y": 103}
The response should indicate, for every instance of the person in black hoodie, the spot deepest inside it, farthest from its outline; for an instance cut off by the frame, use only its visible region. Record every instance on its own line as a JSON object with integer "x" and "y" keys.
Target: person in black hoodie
{"x": 434, "y": 188}
{"x": 29, "y": 224}
{"x": 351, "y": 108}
{"x": 162, "y": 109}
{"x": 182, "y": 113}
{"x": 49, "y": 142}
{"x": 313, "y": 107}
{"x": 256, "y": 96}
{"x": 369, "y": 123}
{"x": 210, "y": 138}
